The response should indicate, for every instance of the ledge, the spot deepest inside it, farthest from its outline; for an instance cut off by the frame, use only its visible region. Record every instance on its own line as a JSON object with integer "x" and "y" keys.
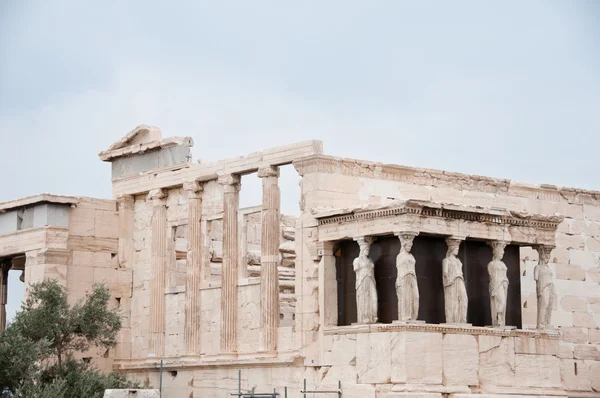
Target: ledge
{"x": 435, "y": 328}
{"x": 240, "y": 282}
{"x": 205, "y": 361}
{"x": 37, "y": 199}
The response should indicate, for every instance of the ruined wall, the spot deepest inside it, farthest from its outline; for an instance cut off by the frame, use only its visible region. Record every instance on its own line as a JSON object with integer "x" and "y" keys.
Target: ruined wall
{"x": 574, "y": 363}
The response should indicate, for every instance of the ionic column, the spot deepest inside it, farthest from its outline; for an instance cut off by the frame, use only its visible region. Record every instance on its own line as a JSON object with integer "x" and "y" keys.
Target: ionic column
{"x": 269, "y": 259}
{"x": 158, "y": 273}
{"x": 193, "y": 268}
{"x": 125, "y": 205}
{"x": 229, "y": 296}
{"x": 3, "y": 294}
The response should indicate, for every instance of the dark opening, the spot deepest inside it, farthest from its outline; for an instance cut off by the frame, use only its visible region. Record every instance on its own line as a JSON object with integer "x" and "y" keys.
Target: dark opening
{"x": 429, "y": 252}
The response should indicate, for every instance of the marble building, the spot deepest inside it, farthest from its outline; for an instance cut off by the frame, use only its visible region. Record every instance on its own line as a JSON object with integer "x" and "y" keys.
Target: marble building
{"x": 393, "y": 280}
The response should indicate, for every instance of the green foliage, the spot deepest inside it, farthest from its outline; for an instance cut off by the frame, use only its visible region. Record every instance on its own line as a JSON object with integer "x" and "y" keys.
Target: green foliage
{"x": 36, "y": 349}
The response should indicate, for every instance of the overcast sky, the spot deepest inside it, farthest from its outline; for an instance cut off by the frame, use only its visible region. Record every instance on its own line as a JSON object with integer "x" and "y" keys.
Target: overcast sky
{"x": 508, "y": 89}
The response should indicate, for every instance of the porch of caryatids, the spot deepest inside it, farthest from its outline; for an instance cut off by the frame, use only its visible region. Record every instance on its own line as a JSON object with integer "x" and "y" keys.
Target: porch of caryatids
{"x": 229, "y": 294}
{"x": 158, "y": 272}
{"x": 269, "y": 276}
{"x": 455, "y": 292}
{"x": 407, "y": 289}
{"x": 366, "y": 290}
{"x": 544, "y": 283}
{"x": 4, "y": 268}
{"x": 194, "y": 268}
{"x": 498, "y": 283}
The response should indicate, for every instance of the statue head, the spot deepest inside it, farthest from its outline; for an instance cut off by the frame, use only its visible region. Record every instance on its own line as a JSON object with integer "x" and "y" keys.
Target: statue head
{"x": 544, "y": 252}
{"x": 364, "y": 243}
{"x": 453, "y": 246}
{"x": 406, "y": 240}
{"x": 498, "y": 247}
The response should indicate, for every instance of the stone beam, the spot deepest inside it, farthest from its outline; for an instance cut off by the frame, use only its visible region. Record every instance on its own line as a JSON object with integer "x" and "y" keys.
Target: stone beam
{"x": 30, "y": 239}
{"x": 43, "y": 198}
{"x": 174, "y": 176}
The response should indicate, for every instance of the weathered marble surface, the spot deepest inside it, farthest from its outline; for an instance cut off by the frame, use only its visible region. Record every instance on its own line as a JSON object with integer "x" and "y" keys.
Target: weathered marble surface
{"x": 407, "y": 289}
{"x": 544, "y": 279}
{"x": 366, "y": 291}
{"x": 455, "y": 293}
{"x": 498, "y": 284}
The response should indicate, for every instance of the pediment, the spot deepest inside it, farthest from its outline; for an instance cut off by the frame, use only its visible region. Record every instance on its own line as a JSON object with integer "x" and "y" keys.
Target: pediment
{"x": 142, "y": 134}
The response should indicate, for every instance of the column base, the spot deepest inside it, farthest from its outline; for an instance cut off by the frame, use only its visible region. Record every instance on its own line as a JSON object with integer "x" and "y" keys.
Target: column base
{"x": 501, "y": 327}
{"x": 409, "y": 322}
{"x": 457, "y": 325}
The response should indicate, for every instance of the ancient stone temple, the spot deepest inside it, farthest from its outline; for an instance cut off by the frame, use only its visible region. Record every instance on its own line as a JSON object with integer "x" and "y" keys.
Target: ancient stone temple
{"x": 392, "y": 282}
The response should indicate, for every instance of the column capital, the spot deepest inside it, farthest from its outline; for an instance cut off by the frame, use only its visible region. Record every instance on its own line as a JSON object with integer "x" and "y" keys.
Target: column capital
{"x": 5, "y": 267}
{"x": 230, "y": 183}
{"x": 498, "y": 244}
{"x": 268, "y": 171}
{"x": 125, "y": 202}
{"x": 407, "y": 233}
{"x": 544, "y": 252}
{"x": 157, "y": 196}
{"x": 368, "y": 240}
{"x": 193, "y": 188}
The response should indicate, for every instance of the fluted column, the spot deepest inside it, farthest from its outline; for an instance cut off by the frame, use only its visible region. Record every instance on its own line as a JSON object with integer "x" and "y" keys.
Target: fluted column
{"x": 158, "y": 273}
{"x": 229, "y": 296}
{"x": 193, "y": 268}
{"x": 125, "y": 205}
{"x": 269, "y": 259}
{"x": 3, "y": 294}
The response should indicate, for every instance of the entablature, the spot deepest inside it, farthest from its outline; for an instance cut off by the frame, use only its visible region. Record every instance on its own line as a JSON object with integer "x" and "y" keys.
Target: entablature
{"x": 438, "y": 219}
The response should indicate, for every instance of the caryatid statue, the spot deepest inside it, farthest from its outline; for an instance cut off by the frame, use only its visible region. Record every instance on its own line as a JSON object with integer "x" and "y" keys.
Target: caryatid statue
{"x": 366, "y": 292}
{"x": 498, "y": 283}
{"x": 455, "y": 293}
{"x": 407, "y": 289}
{"x": 544, "y": 283}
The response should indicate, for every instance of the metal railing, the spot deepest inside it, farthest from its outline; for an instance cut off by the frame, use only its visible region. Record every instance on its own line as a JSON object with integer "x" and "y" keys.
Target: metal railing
{"x": 253, "y": 394}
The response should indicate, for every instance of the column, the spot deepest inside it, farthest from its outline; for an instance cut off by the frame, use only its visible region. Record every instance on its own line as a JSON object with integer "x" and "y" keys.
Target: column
{"x": 544, "y": 283}
{"x": 498, "y": 283}
{"x": 328, "y": 299}
{"x": 366, "y": 290}
{"x": 125, "y": 234}
{"x": 455, "y": 292}
{"x": 193, "y": 268}
{"x": 3, "y": 294}
{"x": 269, "y": 258}
{"x": 229, "y": 296}
{"x": 158, "y": 272}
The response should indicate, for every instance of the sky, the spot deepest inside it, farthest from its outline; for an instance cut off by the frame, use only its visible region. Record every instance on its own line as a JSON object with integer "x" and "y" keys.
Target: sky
{"x": 504, "y": 89}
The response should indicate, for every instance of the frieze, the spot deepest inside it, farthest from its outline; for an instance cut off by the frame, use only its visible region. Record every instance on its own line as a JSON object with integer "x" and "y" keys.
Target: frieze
{"x": 429, "y": 209}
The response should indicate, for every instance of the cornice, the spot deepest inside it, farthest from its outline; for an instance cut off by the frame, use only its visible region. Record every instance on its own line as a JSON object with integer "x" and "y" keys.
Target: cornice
{"x": 499, "y": 217}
